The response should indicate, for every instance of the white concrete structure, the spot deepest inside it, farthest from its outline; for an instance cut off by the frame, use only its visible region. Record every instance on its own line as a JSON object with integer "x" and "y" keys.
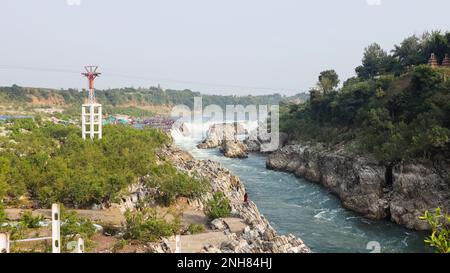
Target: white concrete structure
{"x": 91, "y": 112}
{"x": 80, "y": 245}
{"x": 178, "y": 244}
{"x": 91, "y": 120}
{"x": 4, "y": 242}
{"x": 56, "y": 227}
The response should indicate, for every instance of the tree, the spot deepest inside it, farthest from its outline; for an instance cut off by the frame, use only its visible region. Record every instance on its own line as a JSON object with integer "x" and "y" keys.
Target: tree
{"x": 375, "y": 62}
{"x": 436, "y": 43}
{"x": 328, "y": 80}
{"x": 409, "y": 52}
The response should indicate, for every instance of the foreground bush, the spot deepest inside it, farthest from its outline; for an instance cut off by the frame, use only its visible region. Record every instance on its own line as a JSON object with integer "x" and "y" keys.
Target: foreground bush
{"x": 2, "y": 214}
{"x": 440, "y": 228}
{"x": 218, "y": 206}
{"x": 73, "y": 226}
{"x": 27, "y": 220}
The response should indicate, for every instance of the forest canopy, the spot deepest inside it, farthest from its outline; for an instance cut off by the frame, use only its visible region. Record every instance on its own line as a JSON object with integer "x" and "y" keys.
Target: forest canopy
{"x": 50, "y": 163}
{"x": 397, "y": 106}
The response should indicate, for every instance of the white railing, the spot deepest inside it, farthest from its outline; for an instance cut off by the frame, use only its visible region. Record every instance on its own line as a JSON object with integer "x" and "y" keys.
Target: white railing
{"x": 5, "y": 241}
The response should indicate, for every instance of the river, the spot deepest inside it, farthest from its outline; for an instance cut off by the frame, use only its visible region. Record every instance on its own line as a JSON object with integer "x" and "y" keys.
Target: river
{"x": 310, "y": 211}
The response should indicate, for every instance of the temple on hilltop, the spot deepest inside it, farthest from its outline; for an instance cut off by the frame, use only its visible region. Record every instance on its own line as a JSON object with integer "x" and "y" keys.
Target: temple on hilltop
{"x": 433, "y": 62}
{"x": 446, "y": 61}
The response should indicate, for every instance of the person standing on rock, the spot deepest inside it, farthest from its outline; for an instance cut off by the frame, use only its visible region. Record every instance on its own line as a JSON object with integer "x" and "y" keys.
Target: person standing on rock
{"x": 246, "y": 198}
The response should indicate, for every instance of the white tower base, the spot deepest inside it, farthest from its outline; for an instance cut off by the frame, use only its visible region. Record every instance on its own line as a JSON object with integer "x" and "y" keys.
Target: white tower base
{"x": 91, "y": 120}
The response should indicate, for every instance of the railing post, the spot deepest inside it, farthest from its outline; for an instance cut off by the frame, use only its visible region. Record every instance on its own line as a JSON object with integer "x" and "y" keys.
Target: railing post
{"x": 178, "y": 244}
{"x": 56, "y": 229}
{"x": 4, "y": 242}
{"x": 80, "y": 245}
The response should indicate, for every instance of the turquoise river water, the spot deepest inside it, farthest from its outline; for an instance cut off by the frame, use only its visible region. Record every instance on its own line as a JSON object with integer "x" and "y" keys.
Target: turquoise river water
{"x": 310, "y": 211}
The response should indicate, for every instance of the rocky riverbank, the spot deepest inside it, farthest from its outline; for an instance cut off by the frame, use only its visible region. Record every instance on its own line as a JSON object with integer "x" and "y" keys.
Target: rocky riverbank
{"x": 401, "y": 193}
{"x": 258, "y": 235}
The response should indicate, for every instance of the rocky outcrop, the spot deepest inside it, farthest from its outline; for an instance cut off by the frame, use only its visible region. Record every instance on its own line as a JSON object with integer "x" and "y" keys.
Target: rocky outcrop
{"x": 251, "y": 241}
{"x": 234, "y": 149}
{"x": 360, "y": 182}
{"x": 418, "y": 186}
{"x": 258, "y": 236}
{"x": 219, "y": 132}
{"x": 258, "y": 140}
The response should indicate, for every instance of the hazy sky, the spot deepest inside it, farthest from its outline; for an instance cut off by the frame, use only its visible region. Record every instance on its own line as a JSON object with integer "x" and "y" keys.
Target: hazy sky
{"x": 280, "y": 45}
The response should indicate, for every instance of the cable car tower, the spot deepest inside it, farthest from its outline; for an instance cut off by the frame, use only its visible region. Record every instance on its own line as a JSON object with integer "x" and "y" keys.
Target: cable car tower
{"x": 91, "y": 111}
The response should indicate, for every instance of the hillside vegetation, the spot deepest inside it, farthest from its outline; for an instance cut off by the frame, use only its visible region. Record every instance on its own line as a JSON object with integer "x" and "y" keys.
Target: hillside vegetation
{"x": 397, "y": 107}
{"x": 127, "y": 100}
{"x": 48, "y": 163}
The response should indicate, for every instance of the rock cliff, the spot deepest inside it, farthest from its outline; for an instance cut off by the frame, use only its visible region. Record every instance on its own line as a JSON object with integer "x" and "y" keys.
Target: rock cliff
{"x": 401, "y": 193}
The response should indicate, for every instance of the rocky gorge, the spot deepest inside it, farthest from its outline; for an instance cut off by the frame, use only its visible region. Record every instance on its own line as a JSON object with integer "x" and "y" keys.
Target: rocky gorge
{"x": 401, "y": 193}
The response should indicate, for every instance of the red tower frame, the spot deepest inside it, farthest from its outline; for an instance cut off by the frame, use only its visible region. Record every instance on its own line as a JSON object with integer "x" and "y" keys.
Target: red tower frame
{"x": 91, "y": 73}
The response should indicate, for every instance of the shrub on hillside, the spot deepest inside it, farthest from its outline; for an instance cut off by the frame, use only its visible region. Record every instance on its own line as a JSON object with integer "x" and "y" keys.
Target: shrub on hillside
{"x": 171, "y": 184}
{"x": 2, "y": 214}
{"x": 218, "y": 206}
{"x": 196, "y": 228}
{"x": 27, "y": 220}
{"x": 147, "y": 226}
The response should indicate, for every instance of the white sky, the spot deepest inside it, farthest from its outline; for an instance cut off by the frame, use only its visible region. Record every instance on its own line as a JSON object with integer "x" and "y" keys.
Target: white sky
{"x": 281, "y": 45}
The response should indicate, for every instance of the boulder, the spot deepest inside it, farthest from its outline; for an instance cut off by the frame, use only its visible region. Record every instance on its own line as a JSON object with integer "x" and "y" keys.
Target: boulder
{"x": 234, "y": 149}
{"x": 218, "y": 224}
{"x": 217, "y": 133}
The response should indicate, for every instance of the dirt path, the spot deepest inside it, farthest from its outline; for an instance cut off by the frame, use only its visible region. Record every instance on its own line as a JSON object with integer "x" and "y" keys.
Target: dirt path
{"x": 111, "y": 216}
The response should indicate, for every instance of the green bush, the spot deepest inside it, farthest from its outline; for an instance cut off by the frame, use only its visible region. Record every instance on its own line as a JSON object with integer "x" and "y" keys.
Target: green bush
{"x": 120, "y": 244}
{"x": 27, "y": 220}
{"x": 440, "y": 228}
{"x": 2, "y": 214}
{"x": 196, "y": 228}
{"x": 147, "y": 226}
{"x": 73, "y": 226}
{"x": 218, "y": 206}
{"x": 172, "y": 183}
{"x": 25, "y": 124}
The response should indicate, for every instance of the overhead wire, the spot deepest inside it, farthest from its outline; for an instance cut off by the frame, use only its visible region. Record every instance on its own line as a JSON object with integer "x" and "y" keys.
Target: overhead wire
{"x": 145, "y": 78}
